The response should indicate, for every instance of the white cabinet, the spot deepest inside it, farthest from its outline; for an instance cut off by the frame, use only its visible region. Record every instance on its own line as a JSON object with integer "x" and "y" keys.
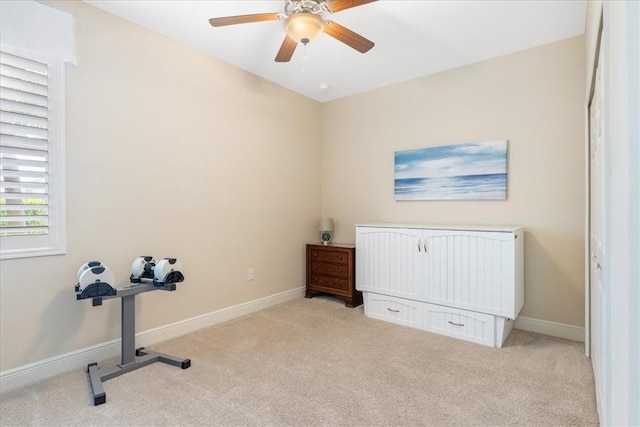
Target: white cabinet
{"x": 473, "y": 272}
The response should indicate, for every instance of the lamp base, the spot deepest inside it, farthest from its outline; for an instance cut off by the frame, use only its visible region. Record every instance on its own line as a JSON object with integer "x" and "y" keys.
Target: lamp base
{"x": 325, "y": 237}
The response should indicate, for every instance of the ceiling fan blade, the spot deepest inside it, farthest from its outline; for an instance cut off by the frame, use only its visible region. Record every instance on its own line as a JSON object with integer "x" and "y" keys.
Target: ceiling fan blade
{"x": 348, "y": 37}
{"x": 243, "y": 19}
{"x": 286, "y": 49}
{"x": 338, "y": 5}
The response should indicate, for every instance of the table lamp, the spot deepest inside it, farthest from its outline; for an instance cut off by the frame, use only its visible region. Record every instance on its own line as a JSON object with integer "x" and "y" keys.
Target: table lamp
{"x": 325, "y": 227}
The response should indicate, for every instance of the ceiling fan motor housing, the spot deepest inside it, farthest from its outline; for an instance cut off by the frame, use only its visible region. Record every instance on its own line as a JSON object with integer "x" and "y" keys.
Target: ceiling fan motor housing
{"x": 316, "y": 7}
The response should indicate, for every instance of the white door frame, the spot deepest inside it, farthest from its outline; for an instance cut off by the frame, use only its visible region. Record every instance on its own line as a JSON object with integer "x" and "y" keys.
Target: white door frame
{"x": 587, "y": 233}
{"x": 596, "y": 293}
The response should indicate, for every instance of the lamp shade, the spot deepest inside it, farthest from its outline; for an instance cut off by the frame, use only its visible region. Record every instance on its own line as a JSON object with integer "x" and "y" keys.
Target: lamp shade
{"x": 304, "y": 27}
{"x": 325, "y": 224}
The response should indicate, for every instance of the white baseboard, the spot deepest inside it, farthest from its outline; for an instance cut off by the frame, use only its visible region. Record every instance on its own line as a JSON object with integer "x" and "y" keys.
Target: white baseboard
{"x": 560, "y": 330}
{"x": 27, "y": 374}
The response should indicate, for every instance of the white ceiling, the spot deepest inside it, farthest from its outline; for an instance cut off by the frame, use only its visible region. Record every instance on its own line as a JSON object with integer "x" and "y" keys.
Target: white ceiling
{"x": 412, "y": 38}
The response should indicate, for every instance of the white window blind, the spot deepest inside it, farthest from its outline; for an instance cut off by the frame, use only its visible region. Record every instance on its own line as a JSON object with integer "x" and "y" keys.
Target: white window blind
{"x": 24, "y": 146}
{"x": 31, "y": 154}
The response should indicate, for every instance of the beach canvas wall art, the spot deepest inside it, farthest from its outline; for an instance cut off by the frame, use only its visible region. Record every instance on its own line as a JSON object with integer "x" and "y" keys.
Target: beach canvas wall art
{"x": 471, "y": 171}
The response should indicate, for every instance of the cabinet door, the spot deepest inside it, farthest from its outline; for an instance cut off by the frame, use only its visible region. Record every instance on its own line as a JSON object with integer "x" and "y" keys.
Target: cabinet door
{"x": 470, "y": 270}
{"x": 388, "y": 261}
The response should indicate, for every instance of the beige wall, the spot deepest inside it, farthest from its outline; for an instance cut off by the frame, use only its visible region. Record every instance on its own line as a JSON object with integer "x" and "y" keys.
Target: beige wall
{"x": 535, "y": 99}
{"x": 169, "y": 153}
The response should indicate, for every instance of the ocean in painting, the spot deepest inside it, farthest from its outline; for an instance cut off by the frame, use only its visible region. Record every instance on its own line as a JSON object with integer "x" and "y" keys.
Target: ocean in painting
{"x": 469, "y": 187}
{"x": 471, "y": 171}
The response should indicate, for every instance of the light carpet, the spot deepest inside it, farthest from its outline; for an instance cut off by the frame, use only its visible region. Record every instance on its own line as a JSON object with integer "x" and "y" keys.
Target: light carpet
{"x": 314, "y": 362}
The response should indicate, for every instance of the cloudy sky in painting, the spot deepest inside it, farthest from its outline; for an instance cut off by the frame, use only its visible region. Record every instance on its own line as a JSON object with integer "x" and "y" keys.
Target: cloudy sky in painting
{"x": 476, "y": 158}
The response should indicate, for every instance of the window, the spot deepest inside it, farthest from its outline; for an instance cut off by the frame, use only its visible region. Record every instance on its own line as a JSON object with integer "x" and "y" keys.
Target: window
{"x": 32, "y": 220}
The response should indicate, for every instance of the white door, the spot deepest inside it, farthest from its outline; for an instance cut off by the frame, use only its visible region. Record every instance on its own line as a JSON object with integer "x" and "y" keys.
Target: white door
{"x": 387, "y": 261}
{"x": 598, "y": 289}
{"x": 470, "y": 270}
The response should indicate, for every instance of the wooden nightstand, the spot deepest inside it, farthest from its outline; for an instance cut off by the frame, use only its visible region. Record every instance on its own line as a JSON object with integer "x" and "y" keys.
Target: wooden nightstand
{"x": 331, "y": 270}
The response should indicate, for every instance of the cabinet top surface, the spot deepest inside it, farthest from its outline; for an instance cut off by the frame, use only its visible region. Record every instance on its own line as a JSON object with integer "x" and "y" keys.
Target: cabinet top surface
{"x": 498, "y": 228}
{"x": 333, "y": 245}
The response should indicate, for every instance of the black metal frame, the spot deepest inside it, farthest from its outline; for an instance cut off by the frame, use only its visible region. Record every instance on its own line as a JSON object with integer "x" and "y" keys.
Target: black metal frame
{"x": 131, "y": 358}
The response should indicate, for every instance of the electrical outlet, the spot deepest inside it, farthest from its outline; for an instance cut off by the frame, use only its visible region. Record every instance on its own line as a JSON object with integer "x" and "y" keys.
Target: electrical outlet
{"x": 252, "y": 274}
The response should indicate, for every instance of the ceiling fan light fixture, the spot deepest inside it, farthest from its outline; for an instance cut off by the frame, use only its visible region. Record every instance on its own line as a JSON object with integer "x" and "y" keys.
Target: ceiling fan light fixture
{"x": 304, "y": 27}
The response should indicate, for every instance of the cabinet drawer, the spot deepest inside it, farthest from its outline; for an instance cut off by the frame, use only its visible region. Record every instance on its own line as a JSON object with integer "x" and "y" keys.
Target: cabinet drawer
{"x": 333, "y": 283}
{"x": 334, "y": 256}
{"x": 338, "y": 270}
{"x": 396, "y": 310}
{"x": 462, "y": 324}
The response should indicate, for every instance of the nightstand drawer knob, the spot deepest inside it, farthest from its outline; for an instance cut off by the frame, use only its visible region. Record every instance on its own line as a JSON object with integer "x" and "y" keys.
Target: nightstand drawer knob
{"x": 392, "y": 310}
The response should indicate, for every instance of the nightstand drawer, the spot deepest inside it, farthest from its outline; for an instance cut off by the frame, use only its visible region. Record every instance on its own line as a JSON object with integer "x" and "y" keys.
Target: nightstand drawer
{"x": 330, "y": 282}
{"x": 338, "y": 270}
{"x": 334, "y": 256}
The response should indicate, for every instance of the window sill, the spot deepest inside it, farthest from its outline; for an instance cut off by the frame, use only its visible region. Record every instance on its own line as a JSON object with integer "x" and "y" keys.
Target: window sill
{"x": 29, "y": 253}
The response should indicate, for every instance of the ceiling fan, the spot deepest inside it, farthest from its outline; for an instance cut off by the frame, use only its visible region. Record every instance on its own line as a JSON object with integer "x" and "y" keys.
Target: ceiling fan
{"x": 304, "y": 21}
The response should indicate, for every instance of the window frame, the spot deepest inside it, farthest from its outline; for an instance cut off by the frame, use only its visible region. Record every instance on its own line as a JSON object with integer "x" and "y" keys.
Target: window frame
{"x": 54, "y": 242}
